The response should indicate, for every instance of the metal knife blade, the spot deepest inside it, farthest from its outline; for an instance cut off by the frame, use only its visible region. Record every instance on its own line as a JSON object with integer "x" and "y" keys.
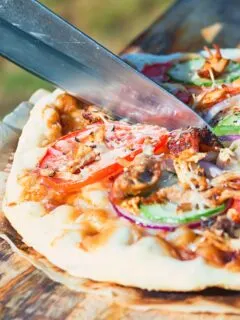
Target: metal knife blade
{"x": 43, "y": 43}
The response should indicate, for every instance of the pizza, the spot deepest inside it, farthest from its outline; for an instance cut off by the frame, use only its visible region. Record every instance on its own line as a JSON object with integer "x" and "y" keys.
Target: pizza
{"x": 136, "y": 204}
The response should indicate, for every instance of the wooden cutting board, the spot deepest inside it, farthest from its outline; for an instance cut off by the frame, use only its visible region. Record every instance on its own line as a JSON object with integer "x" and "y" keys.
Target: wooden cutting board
{"x": 25, "y": 292}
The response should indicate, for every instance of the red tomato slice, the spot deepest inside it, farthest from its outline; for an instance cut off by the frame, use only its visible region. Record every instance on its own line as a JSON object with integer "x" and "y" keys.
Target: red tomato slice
{"x": 236, "y": 205}
{"x": 50, "y": 157}
{"x": 122, "y": 134}
{"x": 75, "y": 185}
{"x": 161, "y": 146}
{"x": 61, "y": 152}
{"x": 235, "y": 215}
{"x": 118, "y": 134}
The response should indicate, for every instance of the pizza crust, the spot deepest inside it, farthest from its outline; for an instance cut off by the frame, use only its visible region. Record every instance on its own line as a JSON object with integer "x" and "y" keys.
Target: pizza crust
{"x": 144, "y": 263}
{"x": 206, "y": 304}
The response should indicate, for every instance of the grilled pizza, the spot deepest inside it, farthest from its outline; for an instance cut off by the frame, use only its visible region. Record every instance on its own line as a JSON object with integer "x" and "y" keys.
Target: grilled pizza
{"x": 136, "y": 204}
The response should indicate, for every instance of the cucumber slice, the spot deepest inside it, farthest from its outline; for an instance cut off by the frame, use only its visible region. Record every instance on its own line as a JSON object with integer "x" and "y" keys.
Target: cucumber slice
{"x": 228, "y": 125}
{"x": 232, "y": 72}
{"x": 226, "y": 130}
{"x": 167, "y": 213}
{"x": 186, "y": 72}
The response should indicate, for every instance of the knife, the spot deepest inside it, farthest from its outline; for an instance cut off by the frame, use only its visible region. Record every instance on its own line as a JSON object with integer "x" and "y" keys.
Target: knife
{"x": 41, "y": 42}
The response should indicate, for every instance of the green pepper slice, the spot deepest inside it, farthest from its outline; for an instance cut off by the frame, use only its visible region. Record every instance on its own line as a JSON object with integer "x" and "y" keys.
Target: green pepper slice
{"x": 228, "y": 125}
{"x": 167, "y": 213}
{"x": 187, "y": 72}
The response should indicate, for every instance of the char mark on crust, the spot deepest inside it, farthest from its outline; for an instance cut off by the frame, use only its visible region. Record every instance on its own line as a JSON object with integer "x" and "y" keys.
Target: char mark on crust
{"x": 222, "y": 296}
{"x": 139, "y": 177}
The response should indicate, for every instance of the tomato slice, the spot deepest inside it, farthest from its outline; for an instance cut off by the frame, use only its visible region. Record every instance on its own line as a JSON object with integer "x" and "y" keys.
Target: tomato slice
{"x": 236, "y": 205}
{"x": 73, "y": 186}
{"x": 235, "y": 214}
{"x": 61, "y": 151}
{"x": 118, "y": 138}
{"x": 161, "y": 146}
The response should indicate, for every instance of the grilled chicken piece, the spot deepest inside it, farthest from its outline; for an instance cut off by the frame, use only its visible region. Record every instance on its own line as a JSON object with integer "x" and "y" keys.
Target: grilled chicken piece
{"x": 224, "y": 225}
{"x": 227, "y": 179}
{"x": 141, "y": 176}
{"x": 208, "y": 141}
{"x": 208, "y": 99}
{"x": 215, "y": 65}
{"x": 186, "y": 199}
{"x": 172, "y": 194}
{"x": 224, "y": 187}
{"x": 182, "y": 140}
{"x": 194, "y": 139}
{"x": 227, "y": 159}
{"x": 190, "y": 174}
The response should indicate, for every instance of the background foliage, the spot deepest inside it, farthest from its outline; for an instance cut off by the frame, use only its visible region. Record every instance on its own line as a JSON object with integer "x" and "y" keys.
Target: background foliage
{"x": 114, "y": 23}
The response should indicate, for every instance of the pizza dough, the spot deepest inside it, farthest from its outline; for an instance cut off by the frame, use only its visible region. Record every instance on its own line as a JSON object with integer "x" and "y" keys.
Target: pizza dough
{"x": 119, "y": 253}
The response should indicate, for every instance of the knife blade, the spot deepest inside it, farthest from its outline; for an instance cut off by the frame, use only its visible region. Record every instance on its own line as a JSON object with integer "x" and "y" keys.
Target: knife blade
{"x": 41, "y": 42}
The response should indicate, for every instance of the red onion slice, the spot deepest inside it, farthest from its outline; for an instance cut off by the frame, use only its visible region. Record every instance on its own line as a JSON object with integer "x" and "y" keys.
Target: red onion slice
{"x": 229, "y": 138}
{"x": 142, "y": 222}
{"x": 145, "y": 223}
{"x": 210, "y": 169}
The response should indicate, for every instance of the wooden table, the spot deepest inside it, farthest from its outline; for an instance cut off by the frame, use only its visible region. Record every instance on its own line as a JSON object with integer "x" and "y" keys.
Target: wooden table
{"x": 25, "y": 292}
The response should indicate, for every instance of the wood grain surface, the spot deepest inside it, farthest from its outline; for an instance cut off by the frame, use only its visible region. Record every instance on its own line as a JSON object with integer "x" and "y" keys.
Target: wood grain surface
{"x": 25, "y": 292}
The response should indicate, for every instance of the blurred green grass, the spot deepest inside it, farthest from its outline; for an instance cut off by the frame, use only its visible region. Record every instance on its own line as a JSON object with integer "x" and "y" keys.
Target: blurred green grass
{"x": 114, "y": 23}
